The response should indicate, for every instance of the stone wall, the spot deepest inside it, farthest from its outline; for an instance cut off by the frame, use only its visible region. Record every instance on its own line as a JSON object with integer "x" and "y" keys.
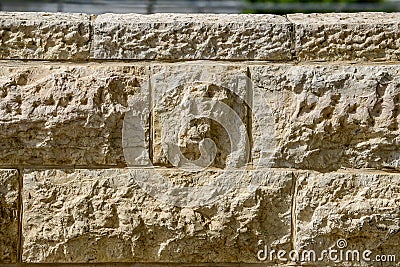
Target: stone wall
{"x": 198, "y": 140}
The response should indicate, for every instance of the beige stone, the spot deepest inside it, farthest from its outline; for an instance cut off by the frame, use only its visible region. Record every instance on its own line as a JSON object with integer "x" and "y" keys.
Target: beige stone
{"x": 9, "y": 214}
{"x": 104, "y": 216}
{"x": 346, "y": 36}
{"x": 327, "y": 117}
{"x": 44, "y": 36}
{"x": 361, "y": 208}
{"x": 191, "y": 36}
{"x": 200, "y": 115}
{"x": 69, "y": 115}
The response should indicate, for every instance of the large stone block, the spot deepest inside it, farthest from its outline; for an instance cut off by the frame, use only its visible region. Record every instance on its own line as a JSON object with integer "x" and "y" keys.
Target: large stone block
{"x": 352, "y": 36}
{"x": 9, "y": 215}
{"x": 70, "y": 114}
{"x": 200, "y": 115}
{"x": 44, "y": 36}
{"x": 327, "y": 117}
{"x": 360, "y": 209}
{"x": 104, "y": 216}
{"x": 195, "y": 36}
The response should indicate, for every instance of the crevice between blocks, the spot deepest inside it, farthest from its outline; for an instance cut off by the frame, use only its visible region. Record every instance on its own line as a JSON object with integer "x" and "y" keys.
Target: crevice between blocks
{"x": 293, "y": 219}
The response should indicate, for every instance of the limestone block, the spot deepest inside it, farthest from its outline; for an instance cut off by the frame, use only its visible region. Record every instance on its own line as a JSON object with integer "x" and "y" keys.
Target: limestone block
{"x": 351, "y": 36}
{"x": 50, "y": 36}
{"x": 9, "y": 206}
{"x": 69, "y": 114}
{"x": 104, "y": 216}
{"x": 360, "y": 208}
{"x": 327, "y": 117}
{"x": 200, "y": 115}
{"x": 191, "y": 36}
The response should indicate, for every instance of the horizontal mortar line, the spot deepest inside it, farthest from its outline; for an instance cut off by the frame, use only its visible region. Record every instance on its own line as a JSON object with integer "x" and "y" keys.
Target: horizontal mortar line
{"x": 144, "y": 61}
{"x": 244, "y": 169}
{"x": 140, "y": 62}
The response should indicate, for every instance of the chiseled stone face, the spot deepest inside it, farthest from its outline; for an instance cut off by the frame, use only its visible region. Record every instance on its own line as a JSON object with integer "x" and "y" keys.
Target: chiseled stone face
{"x": 44, "y": 36}
{"x": 341, "y": 36}
{"x": 327, "y": 117}
{"x": 200, "y": 115}
{"x": 104, "y": 216}
{"x": 68, "y": 114}
{"x": 9, "y": 205}
{"x": 194, "y": 36}
{"x": 361, "y": 208}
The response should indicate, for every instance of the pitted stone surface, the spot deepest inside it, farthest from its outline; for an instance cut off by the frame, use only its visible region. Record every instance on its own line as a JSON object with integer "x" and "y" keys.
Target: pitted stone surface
{"x": 50, "y": 36}
{"x": 193, "y": 102}
{"x": 9, "y": 205}
{"x": 103, "y": 216}
{"x": 347, "y": 36}
{"x": 361, "y": 208}
{"x": 68, "y": 115}
{"x": 328, "y": 117}
{"x": 191, "y": 36}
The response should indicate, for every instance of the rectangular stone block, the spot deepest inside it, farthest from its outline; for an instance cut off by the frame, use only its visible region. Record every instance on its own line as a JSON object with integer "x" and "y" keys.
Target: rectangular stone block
{"x": 9, "y": 215}
{"x": 73, "y": 115}
{"x": 193, "y": 36}
{"x": 347, "y": 36}
{"x": 119, "y": 215}
{"x": 200, "y": 115}
{"x": 51, "y": 36}
{"x": 348, "y": 211}
{"x": 326, "y": 117}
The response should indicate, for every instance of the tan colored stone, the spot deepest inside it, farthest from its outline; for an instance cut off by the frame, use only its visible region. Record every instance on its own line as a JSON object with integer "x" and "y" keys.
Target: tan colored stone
{"x": 200, "y": 115}
{"x": 9, "y": 206}
{"x": 327, "y": 117}
{"x": 191, "y": 36}
{"x": 44, "y": 36}
{"x": 361, "y": 208}
{"x": 104, "y": 216}
{"x": 69, "y": 114}
{"x": 346, "y": 36}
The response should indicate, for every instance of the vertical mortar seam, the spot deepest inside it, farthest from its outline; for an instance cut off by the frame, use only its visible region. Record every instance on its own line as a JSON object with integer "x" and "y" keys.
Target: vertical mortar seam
{"x": 293, "y": 221}
{"x": 292, "y": 39}
{"x": 151, "y": 120}
{"x": 249, "y": 93}
{"x": 20, "y": 214}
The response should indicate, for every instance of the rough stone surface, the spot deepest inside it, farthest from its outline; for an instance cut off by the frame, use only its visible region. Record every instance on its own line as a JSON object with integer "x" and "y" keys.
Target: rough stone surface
{"x": 361, "y": 208}
{"x": 351, "y": 36}
{"x": 200, "y": 115}
{"x": 328, "y": 117}
{"x": 68, "y": 114}
{"x": 194, "y": 36}
{"x": 103, "y": 216}
{"x": 9, "y": 205}
{"x": 44, "y": 36}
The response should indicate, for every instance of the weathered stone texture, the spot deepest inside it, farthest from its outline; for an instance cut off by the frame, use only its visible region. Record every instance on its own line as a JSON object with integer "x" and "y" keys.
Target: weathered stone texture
{"x": 361, "y": 208}
{"x": 103, "y": 216}
{"x": 195, "y": 36}
{"x": 68, "y": 114}
{"x": 9, "y": 205}
{"x": 193, "y": 102}
{"x": 328, "y": 117}
{"x": 44, "y": 36}
{"x": 351, "y": 36}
